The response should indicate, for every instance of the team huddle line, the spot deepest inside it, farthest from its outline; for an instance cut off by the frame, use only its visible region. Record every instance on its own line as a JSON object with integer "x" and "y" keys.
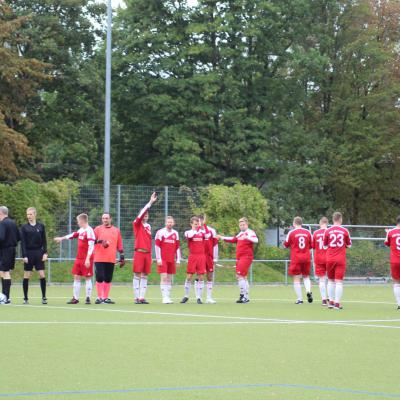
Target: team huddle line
{"x": 97, "y": 249}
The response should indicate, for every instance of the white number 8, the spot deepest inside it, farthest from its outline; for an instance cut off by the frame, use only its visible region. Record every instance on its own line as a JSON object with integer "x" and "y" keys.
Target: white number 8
{"x": 302, "y": 242}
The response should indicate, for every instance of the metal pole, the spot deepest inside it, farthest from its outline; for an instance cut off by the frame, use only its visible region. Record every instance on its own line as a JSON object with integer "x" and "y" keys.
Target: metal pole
{"x": 48, "y": 271}
{"x": 286, "y": 273}
{"x": 166, "y": 201}
{"x": 107, "y": 130}
{"x": 119, "y": 206}
{"x": 69, "y": 224}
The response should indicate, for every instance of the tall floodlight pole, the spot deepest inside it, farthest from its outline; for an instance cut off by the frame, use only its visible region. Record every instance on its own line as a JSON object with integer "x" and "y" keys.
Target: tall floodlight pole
{"x": 107, "y": 133}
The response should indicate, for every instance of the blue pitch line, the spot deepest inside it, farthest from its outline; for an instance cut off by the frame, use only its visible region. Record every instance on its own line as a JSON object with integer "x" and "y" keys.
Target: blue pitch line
{"x": 216, "y": 387}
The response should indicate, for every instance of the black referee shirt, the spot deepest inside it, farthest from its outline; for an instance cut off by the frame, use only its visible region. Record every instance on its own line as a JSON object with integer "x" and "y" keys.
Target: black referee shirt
{"x": 33, "y": 237}
{"x": 9, "y": 234}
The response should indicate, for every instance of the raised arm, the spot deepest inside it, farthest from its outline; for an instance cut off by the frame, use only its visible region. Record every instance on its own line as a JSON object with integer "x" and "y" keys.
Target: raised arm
{"x": 143, "y": 211}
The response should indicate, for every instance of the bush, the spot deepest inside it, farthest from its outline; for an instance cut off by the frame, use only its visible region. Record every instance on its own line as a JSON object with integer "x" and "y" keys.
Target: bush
{"x": 223, "y": 207}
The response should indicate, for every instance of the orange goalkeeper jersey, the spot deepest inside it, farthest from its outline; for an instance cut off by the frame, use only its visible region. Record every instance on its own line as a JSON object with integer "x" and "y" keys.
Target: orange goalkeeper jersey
{"x": 113, "y": 235}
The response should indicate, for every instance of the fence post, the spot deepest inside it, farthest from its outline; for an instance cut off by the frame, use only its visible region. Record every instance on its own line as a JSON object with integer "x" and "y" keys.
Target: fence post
{"x": 119, "y": 206}
{"x": 48, "y": 271}
{"x": 286, "y": 272}
{"x": 165, "y": 201}
{"x": 69, "y": 225}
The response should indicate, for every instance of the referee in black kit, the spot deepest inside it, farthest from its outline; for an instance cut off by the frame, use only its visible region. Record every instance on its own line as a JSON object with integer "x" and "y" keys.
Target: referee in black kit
{"x": 9, "y": 237}
{"x": 34, "y": 252}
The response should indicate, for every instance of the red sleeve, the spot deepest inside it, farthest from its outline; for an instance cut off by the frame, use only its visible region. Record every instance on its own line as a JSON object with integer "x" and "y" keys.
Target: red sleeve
{"x": 310, "y": 238}
{"x": 348, "y": 240}
{"x": 120, "y": 246}
{"x": 313, "y": 242}
{"x": 230, "y": 239}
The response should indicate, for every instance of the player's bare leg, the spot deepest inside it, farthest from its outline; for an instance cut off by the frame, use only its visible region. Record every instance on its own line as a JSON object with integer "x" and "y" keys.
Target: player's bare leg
{"x": 396, "y": 291}
{"x": 322, "y": 289}
{"x": 143, "y": 288}
{"x": 307, "y": 286}
{"x": 199, "y": 288}
{"x": 331, "y": 293}
{"x": 297, "y": 289}
{"x": 76, "y": 290}
{"x": 338, "y": 294}
{"x": 210, "y": 279}
{"x": 188, "y": 284}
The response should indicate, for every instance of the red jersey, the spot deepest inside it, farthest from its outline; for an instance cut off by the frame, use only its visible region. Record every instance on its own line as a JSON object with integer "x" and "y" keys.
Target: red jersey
{"x": 113, "y": 235}
{"x": 196, "y": 241}
{"x": 167, "y": 246}
{"x": 245, "y": 243}
{"x": 142, "y": 231}
{"x": 337, "y": 240}
{"x": 211, "y": 242}
{"x": 319, "y": 247}
{"x": 393, "y": 241}
{"x": 86, "y": 238}
{"x": 299, "y": 240}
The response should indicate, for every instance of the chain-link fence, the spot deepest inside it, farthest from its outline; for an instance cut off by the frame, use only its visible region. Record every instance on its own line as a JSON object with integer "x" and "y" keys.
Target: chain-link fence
{"x": 125, "y": 204}
{"x": 368, "y": 259}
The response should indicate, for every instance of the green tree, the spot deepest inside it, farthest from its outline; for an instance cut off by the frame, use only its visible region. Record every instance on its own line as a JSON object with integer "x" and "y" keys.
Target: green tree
{"x": 20, "y": 78}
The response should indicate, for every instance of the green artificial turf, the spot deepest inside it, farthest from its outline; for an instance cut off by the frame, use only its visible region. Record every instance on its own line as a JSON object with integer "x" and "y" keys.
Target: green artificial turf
{"x": 267, "y": 349}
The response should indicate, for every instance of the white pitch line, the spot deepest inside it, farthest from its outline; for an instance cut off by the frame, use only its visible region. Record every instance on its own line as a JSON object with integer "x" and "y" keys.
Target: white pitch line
{"x": 194, "y": 323}
{"x": 225, "y": 317}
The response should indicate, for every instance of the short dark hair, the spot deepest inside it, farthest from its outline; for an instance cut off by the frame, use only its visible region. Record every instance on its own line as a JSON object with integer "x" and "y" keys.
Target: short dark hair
{"x": 324, "y": 220}
{"x": 194, "y": 219}
{"x": 398, "y": 220}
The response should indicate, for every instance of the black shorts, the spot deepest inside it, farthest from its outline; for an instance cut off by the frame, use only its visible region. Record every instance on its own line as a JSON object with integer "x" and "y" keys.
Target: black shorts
{"x": 104, "y": 271}
{"x": 7, "y": 259}
{"x": 34, "y": 260}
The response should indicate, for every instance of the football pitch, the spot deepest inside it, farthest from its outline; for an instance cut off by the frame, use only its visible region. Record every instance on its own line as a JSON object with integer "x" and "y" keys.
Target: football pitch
{"x": 267, "y": 349}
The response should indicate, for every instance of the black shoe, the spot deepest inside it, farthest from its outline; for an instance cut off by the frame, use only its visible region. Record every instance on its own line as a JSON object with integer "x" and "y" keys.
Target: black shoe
{"x": 398, "y": 307}
{"x": 108, "y": 301}
{"x": 245, "y": 300}
{"x": 199, "y": 301}
{"x": 8, "y": 301}
{"x": 241, "y": 297}
{"x": 185, "y": 300}
{"x": 309, "y": 297}
{"x": 144, "y": 301}
{"x": 44, "y": 300}
{"x": 87, "y": 301}
{"x": 137, "y": 301}
{"x": 73, "y": 301}
{"x": 26, "y": 301}
{"x": 299, "y": 302}
{"x": 98, "y": 301}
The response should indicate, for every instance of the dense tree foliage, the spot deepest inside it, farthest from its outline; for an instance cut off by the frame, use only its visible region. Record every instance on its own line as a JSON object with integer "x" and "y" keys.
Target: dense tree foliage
{"x": 298, "y": 98}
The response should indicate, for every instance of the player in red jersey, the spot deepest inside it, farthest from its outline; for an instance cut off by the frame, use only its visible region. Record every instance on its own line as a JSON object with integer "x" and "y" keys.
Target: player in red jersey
{"x": 337, "y": 240}
{"x": 299, "y": 240}
{"x": 142, "y": 256}
{"x": 320, "y": 258}
{"x": 196, "y": 260}
{"x": 83, "y": 265}
{"x": 167, "y": 253}
{"x": 393, "y": 241}
{"x": 211, "y": 247}
{"x": 108, "y": 242}
{"x": 245, "y": 241}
